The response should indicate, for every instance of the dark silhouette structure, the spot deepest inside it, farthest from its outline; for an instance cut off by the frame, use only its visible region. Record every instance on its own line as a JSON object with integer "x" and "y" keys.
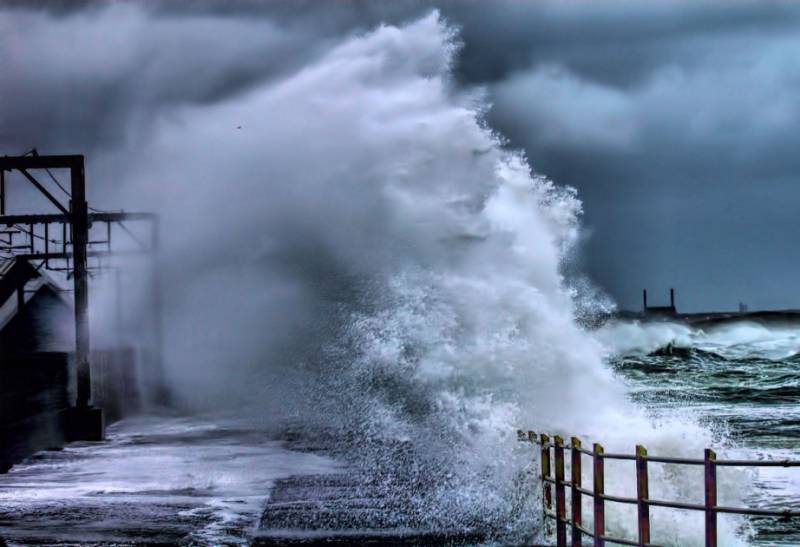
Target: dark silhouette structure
{"x": 42, "y": 328}
{"x": 659, "y": 312}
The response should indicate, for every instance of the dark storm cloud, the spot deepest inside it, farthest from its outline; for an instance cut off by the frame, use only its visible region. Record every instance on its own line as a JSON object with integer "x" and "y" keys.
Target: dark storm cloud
{"x": 615, "y": 42}
{"x": 678, "y": 124}
{"x": 676, "y": 121}
{"x": 82, "y": 76}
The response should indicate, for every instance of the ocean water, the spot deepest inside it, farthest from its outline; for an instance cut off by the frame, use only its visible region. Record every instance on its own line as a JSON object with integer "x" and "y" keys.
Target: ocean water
{"x": 740, "y": 380}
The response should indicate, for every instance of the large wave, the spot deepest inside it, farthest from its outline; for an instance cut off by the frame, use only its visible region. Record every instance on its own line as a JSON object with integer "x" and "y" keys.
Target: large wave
{"x": 732, "y": 339}
{"x": 351, "y": 248}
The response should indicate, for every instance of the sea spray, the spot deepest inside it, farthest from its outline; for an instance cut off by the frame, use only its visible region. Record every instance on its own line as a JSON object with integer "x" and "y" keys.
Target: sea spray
{"x": 349, "y": 246}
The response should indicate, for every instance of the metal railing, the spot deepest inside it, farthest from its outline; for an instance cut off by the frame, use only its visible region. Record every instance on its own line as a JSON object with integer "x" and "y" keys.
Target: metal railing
{"x": 574, "y": 519}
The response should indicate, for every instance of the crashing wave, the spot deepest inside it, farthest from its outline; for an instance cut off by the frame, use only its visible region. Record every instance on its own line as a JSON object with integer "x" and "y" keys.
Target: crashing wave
{"x": 406, "y": 284}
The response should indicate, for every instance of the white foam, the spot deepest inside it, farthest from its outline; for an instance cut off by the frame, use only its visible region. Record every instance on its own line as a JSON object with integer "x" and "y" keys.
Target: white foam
{"x": 736, "y": 340}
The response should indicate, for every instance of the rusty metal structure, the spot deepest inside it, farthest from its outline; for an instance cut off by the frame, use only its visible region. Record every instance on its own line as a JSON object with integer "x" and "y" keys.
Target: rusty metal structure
{"x": 60, "y": 241}
{"x": 554, "y": 449}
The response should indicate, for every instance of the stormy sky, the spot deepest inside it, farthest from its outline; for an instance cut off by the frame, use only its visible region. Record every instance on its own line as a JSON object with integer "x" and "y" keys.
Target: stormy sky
{"x": 677, "y": 122}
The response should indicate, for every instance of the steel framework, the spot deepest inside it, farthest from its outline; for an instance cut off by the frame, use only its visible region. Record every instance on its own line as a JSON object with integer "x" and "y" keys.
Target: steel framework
{"x": 69, "y": 254}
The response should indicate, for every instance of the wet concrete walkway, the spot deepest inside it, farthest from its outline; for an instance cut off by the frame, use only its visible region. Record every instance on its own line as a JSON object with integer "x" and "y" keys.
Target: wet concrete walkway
{"x": 155, "y": 481}
{"x": 205, "y": 481}
{"x": 345, "y": 509}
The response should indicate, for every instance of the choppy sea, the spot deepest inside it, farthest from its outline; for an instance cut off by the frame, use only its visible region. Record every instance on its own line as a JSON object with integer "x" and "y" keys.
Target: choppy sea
{"x": 742, "y": 380}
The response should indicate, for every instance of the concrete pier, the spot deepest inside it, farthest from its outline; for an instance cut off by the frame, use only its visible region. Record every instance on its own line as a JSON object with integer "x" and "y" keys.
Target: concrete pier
{"x": 346, "y": 509}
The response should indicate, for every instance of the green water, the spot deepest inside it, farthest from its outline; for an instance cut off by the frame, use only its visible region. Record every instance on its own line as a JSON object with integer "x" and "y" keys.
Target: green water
{"x": 743, "y": 382}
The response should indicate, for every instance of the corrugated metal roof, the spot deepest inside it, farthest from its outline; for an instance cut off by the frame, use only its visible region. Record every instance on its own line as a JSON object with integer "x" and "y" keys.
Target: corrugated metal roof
{"x": 5, "y": 265}
{"x": 13, "y": 272}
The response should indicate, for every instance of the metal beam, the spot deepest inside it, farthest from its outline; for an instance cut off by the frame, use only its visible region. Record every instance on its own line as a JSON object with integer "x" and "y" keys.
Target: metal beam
{"x": 117, "y": 217}
{"x": 71, "y": 161}
{"x": 80, "y": 240}
{"x": 10, "y": 220}
{"x": 89, "y": 254}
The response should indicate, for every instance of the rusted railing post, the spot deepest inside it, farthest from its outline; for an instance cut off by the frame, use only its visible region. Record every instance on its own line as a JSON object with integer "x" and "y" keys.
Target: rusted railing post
{"x": 547, "y": 496}
{"x": 532, "y": 438}
{"x": 575, "y": 465}
{"x": 711, "y": 497}
{"x": 561, "y": 496}
{"x": 599, "y": 502}
{"x": 642, "y": 499}
{"x": 642, "y": 495}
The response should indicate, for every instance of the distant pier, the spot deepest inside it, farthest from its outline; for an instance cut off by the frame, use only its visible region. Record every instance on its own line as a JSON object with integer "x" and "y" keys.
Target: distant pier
{"x": 670, "y": 313}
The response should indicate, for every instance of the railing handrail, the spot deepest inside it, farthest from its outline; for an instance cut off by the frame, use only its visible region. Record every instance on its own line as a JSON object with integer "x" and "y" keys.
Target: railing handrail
{"x": 642, "y": 499}
{"x": 668, "y": 459}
